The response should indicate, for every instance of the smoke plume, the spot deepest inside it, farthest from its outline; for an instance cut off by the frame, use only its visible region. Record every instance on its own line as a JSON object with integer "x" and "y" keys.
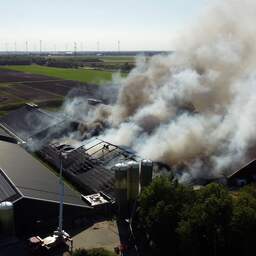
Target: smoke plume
{"x": 194, "y": 109}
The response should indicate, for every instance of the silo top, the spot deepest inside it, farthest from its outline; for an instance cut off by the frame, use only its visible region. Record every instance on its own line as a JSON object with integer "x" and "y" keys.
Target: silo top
{"x": 6, "y": 206}
{"x": 147, "y": 162}
{"x": 133, "y": 164}
{"x": 120, "y": 167}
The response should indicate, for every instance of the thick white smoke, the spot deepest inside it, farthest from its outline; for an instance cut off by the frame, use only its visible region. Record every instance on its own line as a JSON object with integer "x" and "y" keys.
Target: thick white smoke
{"x": 194, "y": 108}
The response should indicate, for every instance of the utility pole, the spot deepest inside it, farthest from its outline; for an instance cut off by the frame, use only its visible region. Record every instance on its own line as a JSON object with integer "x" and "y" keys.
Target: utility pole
{"x": 60, "y": 227}
{"x": 60, "y": 232}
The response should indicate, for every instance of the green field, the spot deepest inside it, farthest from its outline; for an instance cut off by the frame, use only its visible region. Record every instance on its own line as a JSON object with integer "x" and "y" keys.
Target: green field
{"x": 81, "y": 75}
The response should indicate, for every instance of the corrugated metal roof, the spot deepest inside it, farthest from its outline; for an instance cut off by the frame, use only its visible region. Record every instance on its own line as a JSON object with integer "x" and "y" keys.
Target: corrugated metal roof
{"x": 7, "y": 190}
{"x": 90, "y": 166}
{"x": 4, "y": 133}
{"x": 28, "y": 121}
{"x": 31, "y": 177}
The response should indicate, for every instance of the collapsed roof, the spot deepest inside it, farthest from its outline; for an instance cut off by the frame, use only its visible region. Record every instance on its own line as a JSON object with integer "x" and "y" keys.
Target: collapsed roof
{"x": 90, "y": 166}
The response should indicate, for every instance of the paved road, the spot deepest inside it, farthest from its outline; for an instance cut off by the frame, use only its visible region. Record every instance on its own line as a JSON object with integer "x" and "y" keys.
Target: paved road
{"x": 102, "y": 234}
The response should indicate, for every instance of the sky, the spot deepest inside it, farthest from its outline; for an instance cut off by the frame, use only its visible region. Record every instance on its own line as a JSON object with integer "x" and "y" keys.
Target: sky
{"x": 137, "y": 24}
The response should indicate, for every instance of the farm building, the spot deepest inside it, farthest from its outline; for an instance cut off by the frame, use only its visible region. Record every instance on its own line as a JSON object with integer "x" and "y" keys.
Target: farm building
{"x": 243, "y": 176}
{"x": 34, "y": 191}
{"x": 89, "y": 167}
{"x": 29, "y": 121}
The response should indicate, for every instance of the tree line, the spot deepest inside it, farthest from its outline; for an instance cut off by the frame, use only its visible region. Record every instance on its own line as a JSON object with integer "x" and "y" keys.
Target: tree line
{"x": 174, "y": 219}
{"x": 62, "y": 62}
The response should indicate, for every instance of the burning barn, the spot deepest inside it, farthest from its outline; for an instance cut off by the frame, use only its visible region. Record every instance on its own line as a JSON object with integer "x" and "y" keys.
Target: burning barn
{"x": 89, "y": 161}
{"x": 99, "y": 167}
{"x": 193, "y": 107}
{"x": 89, "y": 167}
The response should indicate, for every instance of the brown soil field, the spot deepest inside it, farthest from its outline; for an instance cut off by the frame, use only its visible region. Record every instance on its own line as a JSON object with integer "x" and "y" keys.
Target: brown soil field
{"x": 7, "y": 98}
{"x": 59, "y": 88}
{"x": 14, "y": 76}
{"x": 16, "y": 88}
{"x": 28, "y": 93}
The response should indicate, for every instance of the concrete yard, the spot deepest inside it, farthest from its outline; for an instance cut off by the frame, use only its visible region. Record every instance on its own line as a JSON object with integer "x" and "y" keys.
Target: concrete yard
{"x": 101, "y": 234}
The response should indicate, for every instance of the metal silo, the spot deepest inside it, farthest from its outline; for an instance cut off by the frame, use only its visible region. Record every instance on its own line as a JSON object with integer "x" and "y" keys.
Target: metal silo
{"x": 121, "y": 187}
{"x": 146, "y": 172}
{"x": 6, "y": 219}
{"x": 132, "y": 180}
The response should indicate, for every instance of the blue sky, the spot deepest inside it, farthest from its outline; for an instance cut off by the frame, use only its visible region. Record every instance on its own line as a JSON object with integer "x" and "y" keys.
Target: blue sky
{"x": 138, "y": 24}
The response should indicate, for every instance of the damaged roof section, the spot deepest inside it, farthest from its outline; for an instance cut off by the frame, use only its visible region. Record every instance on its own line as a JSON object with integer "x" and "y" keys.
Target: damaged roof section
{"x": 89, "y": 167}
{"x": 88, "y": 163}
{"x": 108, "y": 154}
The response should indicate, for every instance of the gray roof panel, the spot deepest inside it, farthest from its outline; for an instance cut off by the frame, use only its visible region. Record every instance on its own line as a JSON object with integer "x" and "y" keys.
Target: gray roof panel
{"x": 28, "y": 121}
{"x": 7, "y": 190}
{"x": 4, "y": 133}
{"x": 31, "y": 177}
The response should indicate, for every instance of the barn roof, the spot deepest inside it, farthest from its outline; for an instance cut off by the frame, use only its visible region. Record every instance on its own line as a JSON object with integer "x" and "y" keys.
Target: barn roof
{"x": 24, "y": 175}
{"x": 27, "y": 121}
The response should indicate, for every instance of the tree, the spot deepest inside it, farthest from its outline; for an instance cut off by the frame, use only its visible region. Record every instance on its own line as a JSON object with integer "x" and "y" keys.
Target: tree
{"x": 243, "y": 225}
{"x": 210, "y": 221}
{"x": 160, "y": 207}
{"x": 204, "y": 227}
